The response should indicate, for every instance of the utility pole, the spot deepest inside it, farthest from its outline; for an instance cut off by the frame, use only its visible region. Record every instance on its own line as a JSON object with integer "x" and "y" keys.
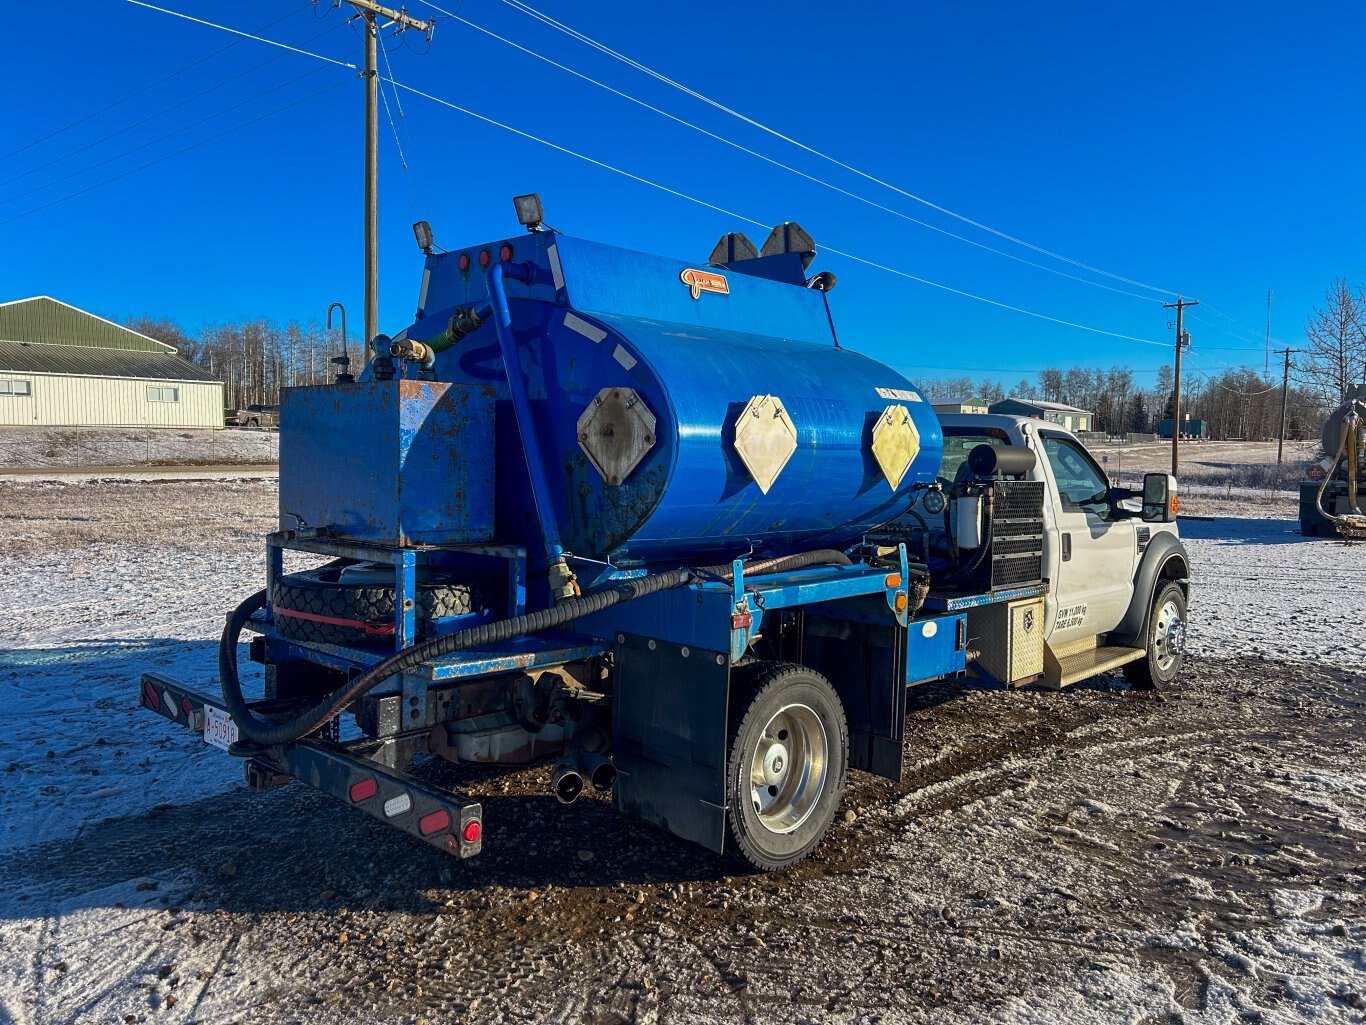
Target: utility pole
{"x": 370, "y": 14}
{"x": 1285, "y": 392}
{"x": 1267, "y": 371}
{"x": 1182, "y": 340}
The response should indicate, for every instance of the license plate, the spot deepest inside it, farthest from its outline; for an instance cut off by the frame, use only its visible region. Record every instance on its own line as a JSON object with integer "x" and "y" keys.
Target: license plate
{"x": 219, "y": 729}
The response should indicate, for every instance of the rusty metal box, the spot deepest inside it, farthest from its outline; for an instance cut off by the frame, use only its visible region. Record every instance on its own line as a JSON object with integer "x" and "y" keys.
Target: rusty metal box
{"x": 389, "y": 462}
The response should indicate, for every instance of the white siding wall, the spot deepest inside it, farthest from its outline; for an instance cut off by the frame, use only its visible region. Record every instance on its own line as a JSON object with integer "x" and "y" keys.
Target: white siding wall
{"x": 58, "y": 400}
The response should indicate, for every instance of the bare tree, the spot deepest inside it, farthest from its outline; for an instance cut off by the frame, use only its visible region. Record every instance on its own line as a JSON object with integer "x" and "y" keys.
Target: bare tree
{"x": 1335, "y": 342}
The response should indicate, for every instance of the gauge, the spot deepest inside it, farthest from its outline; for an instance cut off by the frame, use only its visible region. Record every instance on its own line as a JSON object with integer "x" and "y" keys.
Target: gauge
{"x": 934, "y": 502}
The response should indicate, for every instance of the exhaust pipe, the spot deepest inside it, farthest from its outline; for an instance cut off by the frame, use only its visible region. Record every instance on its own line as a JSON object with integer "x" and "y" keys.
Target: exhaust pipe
{"x": 566, "y": 781}
{"x": 599, "y": 770}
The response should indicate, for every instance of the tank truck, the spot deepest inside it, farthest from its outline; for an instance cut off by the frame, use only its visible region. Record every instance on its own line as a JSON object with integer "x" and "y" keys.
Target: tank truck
{"x": 1331, "y": 504}
{"x": 651, "y": 522}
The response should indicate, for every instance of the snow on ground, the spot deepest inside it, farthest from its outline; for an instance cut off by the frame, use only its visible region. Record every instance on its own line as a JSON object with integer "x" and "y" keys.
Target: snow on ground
{"x": 27, "y": 448}
{"x": 1094, "y": 855}
{"x": 1260, "y": 588}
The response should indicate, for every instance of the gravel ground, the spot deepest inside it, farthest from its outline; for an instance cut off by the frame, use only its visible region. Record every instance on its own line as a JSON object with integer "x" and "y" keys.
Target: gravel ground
{"x": 1095, "y": 855}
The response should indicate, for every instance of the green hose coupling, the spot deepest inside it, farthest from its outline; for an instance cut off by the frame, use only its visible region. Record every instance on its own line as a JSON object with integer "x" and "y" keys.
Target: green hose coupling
{"x": 463, "y": 322}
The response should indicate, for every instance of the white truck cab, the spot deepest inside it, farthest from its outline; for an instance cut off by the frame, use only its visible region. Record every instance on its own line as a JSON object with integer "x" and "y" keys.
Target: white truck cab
{"x": 1118, "y": 574}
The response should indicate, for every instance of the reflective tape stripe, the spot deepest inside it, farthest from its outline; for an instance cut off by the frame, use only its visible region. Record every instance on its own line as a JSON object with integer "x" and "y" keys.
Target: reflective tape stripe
{"x": 555, "y": 272}
{"x": 593, "y": 334}
{"x": 624, "y": 358}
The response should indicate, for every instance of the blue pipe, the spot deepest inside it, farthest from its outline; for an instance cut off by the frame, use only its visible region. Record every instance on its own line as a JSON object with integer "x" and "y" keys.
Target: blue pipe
{"x": 521, "y": 403}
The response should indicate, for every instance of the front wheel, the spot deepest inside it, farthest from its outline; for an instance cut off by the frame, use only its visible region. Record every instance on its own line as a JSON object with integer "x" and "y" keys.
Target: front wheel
{"x": 789, "y": 755}
{"x": 1166, "y": 641}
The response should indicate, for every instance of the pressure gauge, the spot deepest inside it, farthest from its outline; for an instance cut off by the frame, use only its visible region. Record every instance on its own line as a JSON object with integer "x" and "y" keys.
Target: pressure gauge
{"x": 934, "y": 501}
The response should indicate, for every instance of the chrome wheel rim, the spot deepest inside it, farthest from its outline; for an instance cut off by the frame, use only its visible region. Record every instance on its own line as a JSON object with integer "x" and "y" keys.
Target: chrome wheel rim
{"x": 788, "y": 768}
{"x": 1169, "y": 636}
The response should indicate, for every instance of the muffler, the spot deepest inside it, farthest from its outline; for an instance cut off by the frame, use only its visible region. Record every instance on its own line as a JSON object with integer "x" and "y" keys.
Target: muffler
{"x": 566, "y": 781}
{"x": 599, "y": 770}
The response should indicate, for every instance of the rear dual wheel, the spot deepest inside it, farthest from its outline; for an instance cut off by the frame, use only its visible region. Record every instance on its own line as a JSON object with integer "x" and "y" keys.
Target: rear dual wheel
{"x": 789, "y": 756}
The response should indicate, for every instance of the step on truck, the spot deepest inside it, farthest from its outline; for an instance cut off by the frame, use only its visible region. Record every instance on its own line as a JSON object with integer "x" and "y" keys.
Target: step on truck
{"x": 651, "y": 523}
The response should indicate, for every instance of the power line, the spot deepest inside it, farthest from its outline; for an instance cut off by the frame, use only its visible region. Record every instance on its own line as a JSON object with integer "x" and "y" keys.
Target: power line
{"x": 169, "y": 135}
{"x": 761, "y": 224}
{"x": 161, "y": 113}
{"x": 169, "y": 156}
{"x": 546, "y": 19}
{"x": 147, "y": 88}
{"x": 682, "y": 195}
{"x": 244, "y": 35}
{"x": 779, "y": 164}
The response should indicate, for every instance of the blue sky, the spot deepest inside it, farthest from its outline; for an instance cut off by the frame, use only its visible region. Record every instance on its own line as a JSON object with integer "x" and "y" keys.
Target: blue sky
{"x": 1214, "y": 149}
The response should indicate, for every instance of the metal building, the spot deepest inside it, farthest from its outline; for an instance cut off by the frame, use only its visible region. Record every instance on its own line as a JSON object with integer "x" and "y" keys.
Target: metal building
{"x": 64, "y": 367}
{"x": 963, "y": 404}
{"x": 1069, "y": 418}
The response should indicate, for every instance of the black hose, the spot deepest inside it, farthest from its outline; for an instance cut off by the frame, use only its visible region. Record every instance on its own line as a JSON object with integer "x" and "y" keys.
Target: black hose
{"x": 267, "y": 732}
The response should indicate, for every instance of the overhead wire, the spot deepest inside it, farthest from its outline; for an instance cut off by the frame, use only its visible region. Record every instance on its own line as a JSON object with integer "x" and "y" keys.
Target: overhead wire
{"x": 527, "y": 9}
{"x": 414, "y": 187}
{"x": 162, "y": 138}
{"x": 683, "y": 195}
{"x": 755, "y": 221}
{"x": 786, "y": 167}
{"x": 152, "y": 117}
{"x": 179, "y": 152}
{"x": 546, "y": 19}
{"x": 144, "y": 89}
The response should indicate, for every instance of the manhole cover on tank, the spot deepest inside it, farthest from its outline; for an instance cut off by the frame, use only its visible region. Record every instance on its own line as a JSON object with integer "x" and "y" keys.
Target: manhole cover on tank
{"x": 616, "y": 431}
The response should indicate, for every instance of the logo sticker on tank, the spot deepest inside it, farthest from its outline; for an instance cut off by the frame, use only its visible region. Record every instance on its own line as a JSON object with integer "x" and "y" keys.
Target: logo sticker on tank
{"x": 899, "y": 393}
{"x": 699, "y": 281}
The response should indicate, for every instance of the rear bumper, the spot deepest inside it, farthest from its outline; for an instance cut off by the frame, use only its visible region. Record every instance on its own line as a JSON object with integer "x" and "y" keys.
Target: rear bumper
{"x": 444, "y": 819}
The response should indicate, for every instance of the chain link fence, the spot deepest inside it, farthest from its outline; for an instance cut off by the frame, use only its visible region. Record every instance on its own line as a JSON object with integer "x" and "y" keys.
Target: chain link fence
{"x": 36, "y": 448}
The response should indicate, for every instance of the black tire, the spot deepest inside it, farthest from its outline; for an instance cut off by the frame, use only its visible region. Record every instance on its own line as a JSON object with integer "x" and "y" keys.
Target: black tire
{"x": 1165, "y": 643}
{"x": 322, "y": 592}
{"x": 764, "y": 694}
{"x": 253, "y": 422}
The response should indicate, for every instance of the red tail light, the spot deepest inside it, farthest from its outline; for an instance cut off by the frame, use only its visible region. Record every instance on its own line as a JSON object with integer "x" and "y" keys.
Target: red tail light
{"x": 363, "y": 790}
{"x": 434, "y": 822}
{"x": 472, "y": 831}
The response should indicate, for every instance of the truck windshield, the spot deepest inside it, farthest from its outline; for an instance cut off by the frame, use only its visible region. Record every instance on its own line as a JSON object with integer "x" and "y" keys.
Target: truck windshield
{"x": 959, "y": 441}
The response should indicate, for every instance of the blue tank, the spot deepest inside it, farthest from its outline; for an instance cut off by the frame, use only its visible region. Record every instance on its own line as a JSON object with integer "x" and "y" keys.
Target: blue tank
{"x": 680, "y": 411}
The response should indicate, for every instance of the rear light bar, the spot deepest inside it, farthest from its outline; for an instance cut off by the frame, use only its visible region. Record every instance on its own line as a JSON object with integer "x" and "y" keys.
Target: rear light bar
{"x": 440, "y": 817}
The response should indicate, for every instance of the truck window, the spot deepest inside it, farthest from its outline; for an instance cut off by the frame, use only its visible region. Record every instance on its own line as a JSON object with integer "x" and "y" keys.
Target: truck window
{"x": 1081, "y": 484}
{"x": 959, "y": 441}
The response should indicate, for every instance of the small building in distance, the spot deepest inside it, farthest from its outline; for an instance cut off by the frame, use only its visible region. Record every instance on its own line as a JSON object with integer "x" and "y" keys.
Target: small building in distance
{"x": 64, "y": 367}
{"x": 1190, "y": 428}
{"x": 1067, "y": 417}
{"x": 970, "y": 404}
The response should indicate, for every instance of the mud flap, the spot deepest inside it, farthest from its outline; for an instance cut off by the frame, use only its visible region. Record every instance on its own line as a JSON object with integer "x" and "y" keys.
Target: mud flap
{"x": 866, "y": 664}
{"x": 670, "y": 705}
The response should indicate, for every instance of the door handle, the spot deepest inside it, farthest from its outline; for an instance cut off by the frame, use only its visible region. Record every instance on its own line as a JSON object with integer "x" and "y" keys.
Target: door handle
{"x": 1066, "y": 547}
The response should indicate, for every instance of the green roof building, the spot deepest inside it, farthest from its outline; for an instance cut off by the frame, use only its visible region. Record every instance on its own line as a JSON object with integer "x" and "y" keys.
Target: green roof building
{"x": 64, "y": 367}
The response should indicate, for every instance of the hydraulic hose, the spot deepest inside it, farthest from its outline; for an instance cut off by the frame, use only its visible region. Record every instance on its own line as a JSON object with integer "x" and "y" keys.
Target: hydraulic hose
{"x": 270, "y": 733}
{"x": 1328, "y": 477}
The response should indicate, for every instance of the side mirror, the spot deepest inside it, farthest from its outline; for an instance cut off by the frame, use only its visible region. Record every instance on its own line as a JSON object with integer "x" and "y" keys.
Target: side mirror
{"x": 1159, "y": 498}
{"x": 1124, "y": 502}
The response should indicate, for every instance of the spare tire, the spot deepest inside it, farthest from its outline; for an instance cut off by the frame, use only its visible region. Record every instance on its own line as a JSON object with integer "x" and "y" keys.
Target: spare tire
{"x": 347, "y": 604}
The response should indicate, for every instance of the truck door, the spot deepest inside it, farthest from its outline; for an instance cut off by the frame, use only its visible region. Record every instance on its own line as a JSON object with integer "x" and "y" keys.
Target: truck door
{"x": 1090, "y": 556}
